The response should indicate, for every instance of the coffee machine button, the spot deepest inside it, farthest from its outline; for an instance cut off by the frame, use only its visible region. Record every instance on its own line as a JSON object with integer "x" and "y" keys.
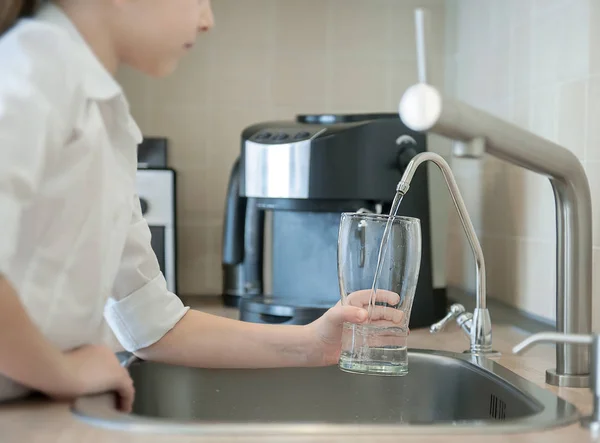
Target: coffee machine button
{"x": 263, "y": 136}
{"x": 280, "y": 136}
{"x": 301, "y": 135}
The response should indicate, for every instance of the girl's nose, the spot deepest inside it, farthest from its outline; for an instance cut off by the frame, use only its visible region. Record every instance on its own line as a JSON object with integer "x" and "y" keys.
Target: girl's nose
{"x": 207, "y": 19}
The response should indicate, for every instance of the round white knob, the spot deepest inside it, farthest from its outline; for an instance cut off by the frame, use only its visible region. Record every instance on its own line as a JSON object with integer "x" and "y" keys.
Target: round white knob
{"x": 420, "y": 107}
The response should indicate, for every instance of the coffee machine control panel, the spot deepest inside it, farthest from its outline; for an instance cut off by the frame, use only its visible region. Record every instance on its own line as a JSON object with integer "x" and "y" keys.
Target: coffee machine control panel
{"x": 283, "y": 135}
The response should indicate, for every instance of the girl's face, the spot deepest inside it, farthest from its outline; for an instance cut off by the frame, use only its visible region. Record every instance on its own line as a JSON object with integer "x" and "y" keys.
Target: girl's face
{"x": 153, "y": 35}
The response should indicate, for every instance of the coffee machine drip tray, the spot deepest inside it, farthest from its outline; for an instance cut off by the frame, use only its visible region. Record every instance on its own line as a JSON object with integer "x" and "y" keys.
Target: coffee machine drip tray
{"x": 274, "y": 310}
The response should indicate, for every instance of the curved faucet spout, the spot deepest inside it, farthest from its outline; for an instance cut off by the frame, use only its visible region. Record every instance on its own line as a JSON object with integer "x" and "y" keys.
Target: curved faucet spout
{"x": 481, "y": 329}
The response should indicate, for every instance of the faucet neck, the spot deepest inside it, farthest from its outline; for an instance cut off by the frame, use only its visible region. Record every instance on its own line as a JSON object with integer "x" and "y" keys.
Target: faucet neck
{"x": 438, "y": 160}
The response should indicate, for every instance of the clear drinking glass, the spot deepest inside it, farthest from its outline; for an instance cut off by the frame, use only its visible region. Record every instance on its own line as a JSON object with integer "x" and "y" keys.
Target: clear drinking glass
{"x": 378, "y": 346}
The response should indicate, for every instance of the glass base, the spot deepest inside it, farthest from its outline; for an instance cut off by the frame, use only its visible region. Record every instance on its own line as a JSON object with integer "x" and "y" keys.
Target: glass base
{"x": 372, "y": 367}
{"x": 368, "y": 349}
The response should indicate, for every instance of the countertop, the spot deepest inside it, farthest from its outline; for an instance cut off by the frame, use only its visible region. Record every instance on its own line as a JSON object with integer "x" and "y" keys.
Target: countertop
{"x": 44, "y": 421}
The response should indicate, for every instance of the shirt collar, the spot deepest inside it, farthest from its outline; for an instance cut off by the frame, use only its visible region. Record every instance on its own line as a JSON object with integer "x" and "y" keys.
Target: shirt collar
{"x": 98, "y": 82}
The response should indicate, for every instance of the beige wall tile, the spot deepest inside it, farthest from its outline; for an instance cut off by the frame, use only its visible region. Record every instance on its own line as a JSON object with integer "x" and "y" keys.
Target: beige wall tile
{"x": 300, "y": 27}
{"x": 544, "y": 112}
{"x": 536, "y": 286}
{"x": 513, "y": 272}
{"x": 560, "y": 42}
{"x": 501, "y": 215}
{"x": 520, "y": 11}
{"x": 360, "y": 27}
{"x": 496, "y": 267}
{"x": 596, "y": 291}
{"x": 592, "y": 170}
{"x": 460, "y": 264}
{"x": 359, "y": 82}
{"x": 520, "y": 61}
{"x": 137, "y": 91}
{"x": 594, "y": 38}
{"x": 243, "y": 25}
{"x": 532, "y": 204}
{"x": 240, "y": 78}
{"x": 440, "y": 145}
{"x": 544, "y": 55}
{"x": 450, "y": 75}
{"x": 465, "y": 168}
{"x": 500, "y": 108}
{"x": 504, "y": 212}
{"x": 574, "y": 41}
{"x": 192, "y": 199}
{"x": 300, "y": 80}
{"x": 592, "y": 145}
{"x": 572, "y": 103}
{"x": 186, "y": 127}
{"x": 493, "y": 165}
{"x": 521, "y": 111}
{"x": 500, "y": 23}
{"x": 189, "y": 84}
{"x": 471, "y": 189}
{"x": 543, "y": 6}
{"x": 473, "y": 31}
{"x": 196, "y": 273}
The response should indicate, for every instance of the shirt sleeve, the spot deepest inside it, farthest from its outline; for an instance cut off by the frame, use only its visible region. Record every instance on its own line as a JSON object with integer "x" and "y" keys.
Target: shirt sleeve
{"x": 141, "y": 310}
{"x": 34, "y": 101}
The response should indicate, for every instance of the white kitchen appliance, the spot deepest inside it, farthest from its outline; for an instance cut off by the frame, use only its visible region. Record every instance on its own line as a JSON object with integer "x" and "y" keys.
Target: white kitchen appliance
{"x": 156, "y": 188}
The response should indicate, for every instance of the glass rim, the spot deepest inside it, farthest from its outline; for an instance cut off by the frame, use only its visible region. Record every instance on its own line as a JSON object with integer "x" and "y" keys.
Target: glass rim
{"x": 372, "y": 215}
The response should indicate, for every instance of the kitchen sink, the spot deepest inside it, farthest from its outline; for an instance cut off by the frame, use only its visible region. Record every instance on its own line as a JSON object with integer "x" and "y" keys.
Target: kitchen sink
{"x": 442, "y": 393}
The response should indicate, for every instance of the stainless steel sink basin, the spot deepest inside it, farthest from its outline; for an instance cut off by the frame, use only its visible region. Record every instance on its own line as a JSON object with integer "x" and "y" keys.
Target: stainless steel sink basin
{"x": 443, "y": 393}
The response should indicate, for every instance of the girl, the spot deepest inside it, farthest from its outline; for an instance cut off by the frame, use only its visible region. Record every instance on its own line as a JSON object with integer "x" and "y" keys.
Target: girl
{"x": 75, "y": 250}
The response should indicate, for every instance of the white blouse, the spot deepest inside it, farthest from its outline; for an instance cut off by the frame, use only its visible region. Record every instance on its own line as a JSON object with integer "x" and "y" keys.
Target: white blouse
{"x": 73, "y": 242}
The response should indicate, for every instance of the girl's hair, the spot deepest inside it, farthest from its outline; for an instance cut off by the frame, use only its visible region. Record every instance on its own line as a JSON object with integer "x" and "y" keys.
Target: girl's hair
{"x": 13, "y": 10}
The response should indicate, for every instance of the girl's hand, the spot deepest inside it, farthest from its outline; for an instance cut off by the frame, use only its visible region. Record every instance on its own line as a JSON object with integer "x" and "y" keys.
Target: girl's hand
{"x": 325, "y": 333}
{"x": 96, "y": 369}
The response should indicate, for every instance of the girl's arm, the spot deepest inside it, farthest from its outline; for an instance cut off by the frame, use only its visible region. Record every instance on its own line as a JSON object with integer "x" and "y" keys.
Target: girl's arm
{"x": 25, "y": 355}
{"x": 204, "y": 340}
{"x": 29, "y": 359}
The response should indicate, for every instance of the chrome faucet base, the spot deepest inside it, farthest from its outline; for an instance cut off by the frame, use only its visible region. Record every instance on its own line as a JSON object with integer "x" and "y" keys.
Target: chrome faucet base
{"x": 567, "y": 380}
{"x": 481, "y": 332}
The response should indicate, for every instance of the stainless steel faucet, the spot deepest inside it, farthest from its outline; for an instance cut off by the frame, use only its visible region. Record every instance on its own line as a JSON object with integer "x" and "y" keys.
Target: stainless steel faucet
{"x": 423, "y": 108}
{"x": 592, "y": 421}
{"x": 479, "y": 325}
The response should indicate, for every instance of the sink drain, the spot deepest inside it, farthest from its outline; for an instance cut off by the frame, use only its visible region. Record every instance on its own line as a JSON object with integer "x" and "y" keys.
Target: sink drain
{"x": 497, "y": 408}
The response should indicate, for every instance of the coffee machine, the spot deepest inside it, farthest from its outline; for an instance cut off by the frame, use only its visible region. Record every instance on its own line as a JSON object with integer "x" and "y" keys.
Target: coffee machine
{"x": 286, "y": 193}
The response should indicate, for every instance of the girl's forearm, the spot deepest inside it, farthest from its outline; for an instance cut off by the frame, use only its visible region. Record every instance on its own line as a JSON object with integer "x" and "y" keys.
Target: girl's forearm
{"x": 209, "y": 341}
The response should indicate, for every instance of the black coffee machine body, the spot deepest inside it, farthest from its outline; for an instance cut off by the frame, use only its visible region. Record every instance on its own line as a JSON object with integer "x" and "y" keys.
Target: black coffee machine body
{"x": 287, "y": 190}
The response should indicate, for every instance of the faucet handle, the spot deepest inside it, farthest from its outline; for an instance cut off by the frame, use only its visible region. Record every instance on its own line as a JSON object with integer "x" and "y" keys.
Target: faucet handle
{"x": 593, "y": 421}
{"x": 553, "y": 337}
{"x": 455, "y": 310}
